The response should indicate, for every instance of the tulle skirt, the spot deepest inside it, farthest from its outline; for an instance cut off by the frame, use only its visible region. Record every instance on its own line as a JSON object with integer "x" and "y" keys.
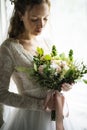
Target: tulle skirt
{"x": 21, "y": 119}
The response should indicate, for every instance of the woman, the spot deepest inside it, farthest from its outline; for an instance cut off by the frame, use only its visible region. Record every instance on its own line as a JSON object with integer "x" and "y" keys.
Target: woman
{"x": 33, "y": 104}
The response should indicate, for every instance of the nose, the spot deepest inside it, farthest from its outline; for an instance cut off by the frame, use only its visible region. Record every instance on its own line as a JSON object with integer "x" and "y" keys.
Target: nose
{"x": 41, "y": 23}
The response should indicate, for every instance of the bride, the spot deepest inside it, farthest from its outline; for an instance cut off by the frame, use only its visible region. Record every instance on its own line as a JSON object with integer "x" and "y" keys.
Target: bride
{"x": 32, "y": 104}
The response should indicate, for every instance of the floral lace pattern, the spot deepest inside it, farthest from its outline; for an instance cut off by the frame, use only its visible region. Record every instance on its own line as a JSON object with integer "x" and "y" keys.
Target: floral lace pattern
{"x": 30, "y": 94}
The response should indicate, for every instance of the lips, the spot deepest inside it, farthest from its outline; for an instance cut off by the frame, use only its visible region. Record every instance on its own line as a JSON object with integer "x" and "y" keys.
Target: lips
{"x": 38, "y": 30}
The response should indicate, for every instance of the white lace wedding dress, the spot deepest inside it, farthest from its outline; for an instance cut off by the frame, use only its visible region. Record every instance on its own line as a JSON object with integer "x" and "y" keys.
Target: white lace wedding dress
{"x": 28, "y": 113}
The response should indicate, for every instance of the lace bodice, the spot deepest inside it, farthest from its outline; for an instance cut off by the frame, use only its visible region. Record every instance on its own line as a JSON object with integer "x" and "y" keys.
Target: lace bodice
{"x": 31, "y": 95}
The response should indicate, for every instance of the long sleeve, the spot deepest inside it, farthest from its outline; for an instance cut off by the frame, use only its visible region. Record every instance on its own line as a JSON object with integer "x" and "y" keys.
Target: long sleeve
{"x": 7, "y": 97}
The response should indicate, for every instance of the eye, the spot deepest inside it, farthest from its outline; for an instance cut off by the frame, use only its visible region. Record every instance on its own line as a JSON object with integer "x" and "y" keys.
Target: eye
{"x": 46, "y": 19}
{"x": 34, "y": 19}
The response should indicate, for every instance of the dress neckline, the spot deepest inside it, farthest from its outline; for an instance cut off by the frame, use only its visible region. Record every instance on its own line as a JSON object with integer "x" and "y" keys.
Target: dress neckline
{"x": 25, "y": 50}
{"x": 32, "y": 50}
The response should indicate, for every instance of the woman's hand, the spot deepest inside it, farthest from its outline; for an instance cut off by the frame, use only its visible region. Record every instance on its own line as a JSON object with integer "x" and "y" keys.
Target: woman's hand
{"x": 49, "y": 102}
{"x": 66, "y": 86}
{"x": 55, "y": 101}
{"x": 51, "y": 99}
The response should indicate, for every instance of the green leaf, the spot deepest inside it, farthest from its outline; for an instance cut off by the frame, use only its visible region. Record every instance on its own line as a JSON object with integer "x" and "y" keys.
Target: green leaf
{"x": 35, "y": 67}
{"x": 85, "y": 81}
{"x": 62, "y": 56}
{"x": 54, "y": 51}
{"x": 71, "y": 55}
{"x": 22, "y": 69}
{"x": 47, "y": 57}
{"x": 40, "y": 51}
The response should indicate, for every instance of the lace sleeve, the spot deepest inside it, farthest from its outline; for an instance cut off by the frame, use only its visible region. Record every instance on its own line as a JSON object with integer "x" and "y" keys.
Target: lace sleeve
{"x": 7, "y": 97}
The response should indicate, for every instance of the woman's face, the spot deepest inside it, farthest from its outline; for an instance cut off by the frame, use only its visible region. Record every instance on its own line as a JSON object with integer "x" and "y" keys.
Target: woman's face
{"x": 35, "y": 19}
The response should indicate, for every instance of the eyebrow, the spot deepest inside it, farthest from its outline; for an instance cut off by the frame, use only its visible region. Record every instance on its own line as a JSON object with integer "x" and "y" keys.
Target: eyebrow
{"x": 37, "y": 16}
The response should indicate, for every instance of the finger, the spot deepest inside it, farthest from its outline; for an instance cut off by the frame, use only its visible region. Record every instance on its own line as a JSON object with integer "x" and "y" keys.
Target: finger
{"x": 66, "y": 86}
{"x": 47, "y": 100}
{"x": 65, "y": 89}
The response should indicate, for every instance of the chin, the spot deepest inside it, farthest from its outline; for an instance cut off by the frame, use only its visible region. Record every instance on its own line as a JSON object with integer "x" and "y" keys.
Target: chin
{"x": 37, "y": 33}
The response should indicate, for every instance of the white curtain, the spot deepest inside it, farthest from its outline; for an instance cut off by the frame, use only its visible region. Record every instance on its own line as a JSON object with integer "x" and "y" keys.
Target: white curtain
{"x": 3, "y": 19}
{"x": 5, "y": 14}
{"x": 69, "y": 20}
{"x": 68, "y": 31}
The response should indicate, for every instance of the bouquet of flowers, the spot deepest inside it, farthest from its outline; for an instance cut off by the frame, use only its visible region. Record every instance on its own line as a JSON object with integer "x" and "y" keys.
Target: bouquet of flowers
{"x": 52, "y": 70}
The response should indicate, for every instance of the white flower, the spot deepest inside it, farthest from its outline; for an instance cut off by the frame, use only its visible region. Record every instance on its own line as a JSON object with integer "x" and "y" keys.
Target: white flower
{"x": 54, "y": 65}
{"x": 62, "y": 63}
